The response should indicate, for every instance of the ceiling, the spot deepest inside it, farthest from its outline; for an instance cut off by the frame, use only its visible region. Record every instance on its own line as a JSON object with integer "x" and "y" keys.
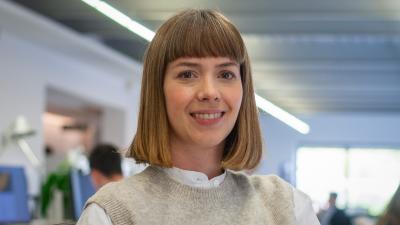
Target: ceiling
{"x": 308, "y": 56}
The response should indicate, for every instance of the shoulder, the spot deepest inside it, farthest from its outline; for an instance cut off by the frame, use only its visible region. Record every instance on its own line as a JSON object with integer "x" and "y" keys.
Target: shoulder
{"x": 339, "y": 213}
{"x": 118, "y": 188}
{"x": 267, "y": 187}
{"x": 118, "y": 198}
{"x": 303, "y": 209}
{"x": 273, "y": 187}
{"x": 262, "y": 182}
{"x": 270, "y": 181}
{"x": 340, "y": 217}
{"x": 94, "y": 214}
{"x": 122, "y": 192}
{"x": 269, "y": 193}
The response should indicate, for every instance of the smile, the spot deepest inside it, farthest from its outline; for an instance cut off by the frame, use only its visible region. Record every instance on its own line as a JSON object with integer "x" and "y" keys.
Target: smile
{"x": 207, "y": 116}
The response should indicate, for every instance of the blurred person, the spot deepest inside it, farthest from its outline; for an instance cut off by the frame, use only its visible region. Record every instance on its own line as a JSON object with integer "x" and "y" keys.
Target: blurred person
{"x": 391, "y": 216}
{"x": 333, "y": 215}
{"x": 105, "y": 165}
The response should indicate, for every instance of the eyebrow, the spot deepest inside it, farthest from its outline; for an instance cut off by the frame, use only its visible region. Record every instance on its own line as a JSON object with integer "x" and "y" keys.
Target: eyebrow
{"x": 189, "y": 64}
{"x": 227, "y": 64}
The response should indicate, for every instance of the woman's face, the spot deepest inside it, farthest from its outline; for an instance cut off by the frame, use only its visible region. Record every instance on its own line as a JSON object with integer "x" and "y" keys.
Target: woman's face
{"x": 203, "y": 97}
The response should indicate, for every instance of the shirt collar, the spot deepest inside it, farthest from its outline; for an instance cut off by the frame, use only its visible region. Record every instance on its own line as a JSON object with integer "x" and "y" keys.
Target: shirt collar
{"x": 194, "y": 178}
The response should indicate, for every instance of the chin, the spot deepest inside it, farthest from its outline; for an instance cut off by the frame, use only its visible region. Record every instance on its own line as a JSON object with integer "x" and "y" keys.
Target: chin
{"x": 211, "y": 142}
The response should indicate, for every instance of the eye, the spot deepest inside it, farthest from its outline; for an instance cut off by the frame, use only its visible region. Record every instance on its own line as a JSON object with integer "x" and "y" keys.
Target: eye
{"x": 228, "y": 75}
{"x": 186, "y": 74}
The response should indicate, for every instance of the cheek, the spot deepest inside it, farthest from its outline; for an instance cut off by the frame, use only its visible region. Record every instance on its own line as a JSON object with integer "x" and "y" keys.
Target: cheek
{"x": 176, "y": 100}
{"x": 235, "y": 99}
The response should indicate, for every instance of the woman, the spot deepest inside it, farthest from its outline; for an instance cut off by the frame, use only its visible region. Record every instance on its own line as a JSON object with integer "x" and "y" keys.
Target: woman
{"x": 198, "y": 121}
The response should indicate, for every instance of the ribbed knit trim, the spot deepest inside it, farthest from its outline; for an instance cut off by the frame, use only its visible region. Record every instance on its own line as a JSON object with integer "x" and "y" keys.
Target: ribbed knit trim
{"x": 120, "y": 213}
{"x": 159, "y": 177}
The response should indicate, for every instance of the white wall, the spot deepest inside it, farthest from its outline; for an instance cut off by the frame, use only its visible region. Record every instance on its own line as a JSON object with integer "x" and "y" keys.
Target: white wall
{"x": 358, "y": 130}
{"x": 60, "y": 59}
{"x": 113, "y": 125}
{"x": 21, "y": 93}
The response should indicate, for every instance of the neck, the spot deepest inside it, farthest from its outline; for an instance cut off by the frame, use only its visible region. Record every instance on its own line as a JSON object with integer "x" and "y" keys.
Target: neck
{"x": 116, "y": 177}
{"x": 200, "y": 159}
{"x": 100, "y": 180}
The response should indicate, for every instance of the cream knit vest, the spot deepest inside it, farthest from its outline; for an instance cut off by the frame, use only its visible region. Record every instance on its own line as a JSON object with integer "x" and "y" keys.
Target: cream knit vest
{"x": 152, "y": 198}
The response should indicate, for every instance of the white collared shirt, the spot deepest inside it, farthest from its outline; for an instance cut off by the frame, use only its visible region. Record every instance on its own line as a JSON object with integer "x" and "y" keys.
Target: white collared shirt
{"x": 193, "y": 178}
{"x": 304, "y": 213}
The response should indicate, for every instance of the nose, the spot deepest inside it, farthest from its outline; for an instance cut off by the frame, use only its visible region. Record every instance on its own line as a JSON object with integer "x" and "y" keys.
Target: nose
{"x": 208, "y": 90}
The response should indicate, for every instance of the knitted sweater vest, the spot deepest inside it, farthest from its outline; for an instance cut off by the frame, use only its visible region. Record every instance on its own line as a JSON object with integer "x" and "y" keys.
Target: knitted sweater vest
{"x": 152, "y": 198}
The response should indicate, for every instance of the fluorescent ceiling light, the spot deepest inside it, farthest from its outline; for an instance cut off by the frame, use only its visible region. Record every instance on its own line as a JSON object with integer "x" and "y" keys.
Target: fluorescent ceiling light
{"x": 121, "y": 18}
{"x": 282, "y": 115}
{"x": 148, "y": 34}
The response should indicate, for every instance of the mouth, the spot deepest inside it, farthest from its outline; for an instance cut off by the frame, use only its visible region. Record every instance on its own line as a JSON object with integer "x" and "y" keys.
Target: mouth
{"x": 207, "y": 116}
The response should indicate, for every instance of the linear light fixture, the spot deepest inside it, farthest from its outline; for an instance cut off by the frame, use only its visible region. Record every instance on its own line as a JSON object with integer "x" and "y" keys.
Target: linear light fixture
{"x": 282, "y": 115}
{"x": 148, "y": 34}
{"x": 121, "y": 18}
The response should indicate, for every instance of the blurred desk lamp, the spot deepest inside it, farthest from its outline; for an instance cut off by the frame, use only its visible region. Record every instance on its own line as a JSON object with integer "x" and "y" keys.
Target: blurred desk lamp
{"x": 16, "y": 133}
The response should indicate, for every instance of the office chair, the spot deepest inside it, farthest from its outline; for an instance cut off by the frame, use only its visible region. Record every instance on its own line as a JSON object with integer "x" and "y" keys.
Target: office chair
{"x": 14, "y": 197}
{"x": 82, "y": 189}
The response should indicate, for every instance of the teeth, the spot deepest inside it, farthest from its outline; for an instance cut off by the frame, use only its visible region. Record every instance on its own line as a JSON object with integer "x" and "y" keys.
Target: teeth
{"x": 207, "y": 116}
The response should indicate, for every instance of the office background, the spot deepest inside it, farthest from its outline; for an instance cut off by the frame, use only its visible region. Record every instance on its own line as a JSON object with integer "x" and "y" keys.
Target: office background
{"x": 334, "y": 65}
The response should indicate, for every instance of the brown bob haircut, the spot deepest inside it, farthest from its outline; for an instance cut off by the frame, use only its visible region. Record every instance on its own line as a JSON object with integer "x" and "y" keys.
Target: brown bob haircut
{"x": 194, "y": 33}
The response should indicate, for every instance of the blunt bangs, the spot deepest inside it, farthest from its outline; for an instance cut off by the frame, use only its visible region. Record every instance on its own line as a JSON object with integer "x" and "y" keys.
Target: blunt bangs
{"x": 204, "y": 34}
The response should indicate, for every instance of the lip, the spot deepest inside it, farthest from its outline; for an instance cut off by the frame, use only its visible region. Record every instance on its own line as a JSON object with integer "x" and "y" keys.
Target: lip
{"x": 207, "y": 122}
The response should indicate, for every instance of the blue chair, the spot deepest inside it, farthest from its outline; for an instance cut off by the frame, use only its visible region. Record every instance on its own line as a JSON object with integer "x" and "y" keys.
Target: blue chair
{"x": 14, "y": 198}
{"x": 82, "y": 189}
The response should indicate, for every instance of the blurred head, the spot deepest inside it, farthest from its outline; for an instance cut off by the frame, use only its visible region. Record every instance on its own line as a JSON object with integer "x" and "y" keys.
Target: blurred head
{"x": 196, "y": 34}
{"x": 332, "y": 198}
{"x": 105, "y": 164}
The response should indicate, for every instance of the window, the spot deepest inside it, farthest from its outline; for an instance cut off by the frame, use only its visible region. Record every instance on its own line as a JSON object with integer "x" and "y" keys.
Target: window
{"x": 364, "y": 178}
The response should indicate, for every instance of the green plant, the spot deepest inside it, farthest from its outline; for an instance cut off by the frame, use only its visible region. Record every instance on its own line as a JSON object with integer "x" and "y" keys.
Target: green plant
{"x": 58, "y": 180}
